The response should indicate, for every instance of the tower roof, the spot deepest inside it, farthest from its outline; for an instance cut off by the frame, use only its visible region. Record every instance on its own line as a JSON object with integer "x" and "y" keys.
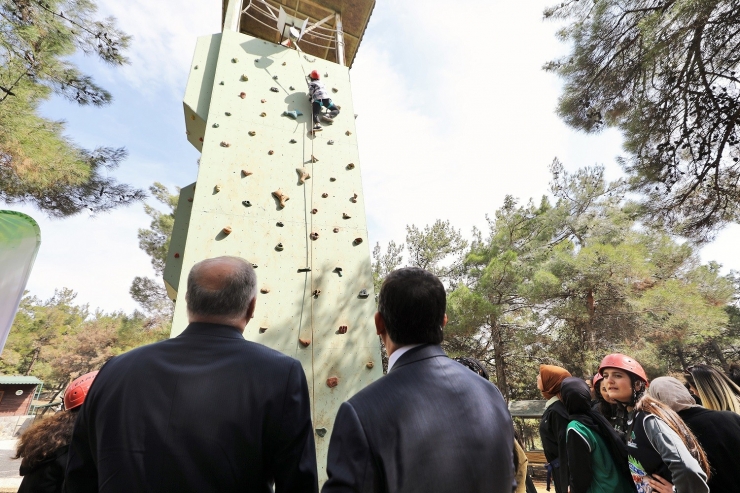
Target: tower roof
{"x": 257, "y": 20}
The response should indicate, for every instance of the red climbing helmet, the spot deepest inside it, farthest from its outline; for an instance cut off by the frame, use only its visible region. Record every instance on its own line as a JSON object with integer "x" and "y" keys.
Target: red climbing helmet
{"x": 314, "y": 75}
{"x": 75, "y": 394}
{"x": 597, "y": 378}
{"x": 625, "y": 363}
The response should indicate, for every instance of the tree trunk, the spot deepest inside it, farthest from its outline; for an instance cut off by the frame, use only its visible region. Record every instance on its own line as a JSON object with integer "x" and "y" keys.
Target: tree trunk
{"x": 718, "y": 352}
{"x": 34, "y": 358}
{"x": 498, "y": 354}
{"x": 681, "y": 357}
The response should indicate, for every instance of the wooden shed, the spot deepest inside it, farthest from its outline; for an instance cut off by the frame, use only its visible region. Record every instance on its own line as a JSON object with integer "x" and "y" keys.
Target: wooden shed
{"x": 16, "y": 394}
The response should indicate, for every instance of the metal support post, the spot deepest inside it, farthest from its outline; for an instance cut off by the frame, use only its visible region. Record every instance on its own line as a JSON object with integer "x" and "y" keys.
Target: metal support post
{"x": 340, "y": 40}
{"x": 233, "y": 15}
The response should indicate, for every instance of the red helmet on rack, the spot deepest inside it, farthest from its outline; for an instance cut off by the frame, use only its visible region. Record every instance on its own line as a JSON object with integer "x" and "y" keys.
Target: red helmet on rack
{"x": 314, "y": 75}
{"x": 625, "y": 363}
{"x": 75, "y": 394}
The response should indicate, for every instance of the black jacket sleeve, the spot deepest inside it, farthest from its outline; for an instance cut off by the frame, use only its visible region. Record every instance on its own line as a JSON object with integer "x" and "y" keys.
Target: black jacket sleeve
{"x": 295, "y": 451}
{"x": 82, "y": 472}
{"x": 349, "y": 461}
{"x": 561, "y": 475}
{"x": 579, "y": 452}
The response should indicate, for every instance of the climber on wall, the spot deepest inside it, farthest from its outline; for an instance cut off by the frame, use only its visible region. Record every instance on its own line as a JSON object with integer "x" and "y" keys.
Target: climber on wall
{"x": 320, "y": 98}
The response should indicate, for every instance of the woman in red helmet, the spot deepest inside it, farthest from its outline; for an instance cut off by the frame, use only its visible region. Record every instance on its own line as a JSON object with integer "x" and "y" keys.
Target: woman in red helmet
{"x": 625, "y": 382}
{"x": 43, "y": 447}
{"x": 320, "y": 99}
{"x": 663, "y": 454}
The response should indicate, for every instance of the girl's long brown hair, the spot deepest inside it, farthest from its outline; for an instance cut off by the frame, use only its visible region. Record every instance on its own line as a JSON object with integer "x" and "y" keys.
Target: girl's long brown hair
{"x": 674, "y": 421}
{"x": 43, "y": 438}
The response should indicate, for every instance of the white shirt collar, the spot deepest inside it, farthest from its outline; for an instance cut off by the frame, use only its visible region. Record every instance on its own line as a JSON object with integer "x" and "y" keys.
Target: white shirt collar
{"x": 398, "y": 353}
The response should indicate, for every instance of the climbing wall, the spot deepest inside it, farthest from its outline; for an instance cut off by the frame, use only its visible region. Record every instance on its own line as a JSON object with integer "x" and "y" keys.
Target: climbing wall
{"x": 289, "y": 202}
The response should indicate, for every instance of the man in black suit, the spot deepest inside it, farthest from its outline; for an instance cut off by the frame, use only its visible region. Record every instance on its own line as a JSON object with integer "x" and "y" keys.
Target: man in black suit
{"x": 430, "y": 425}
{"x": 204, "y": 412}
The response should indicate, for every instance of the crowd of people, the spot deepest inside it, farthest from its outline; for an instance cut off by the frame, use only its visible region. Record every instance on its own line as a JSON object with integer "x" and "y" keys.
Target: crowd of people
{"x": 619, "y": 432}
{"x": 209, "y": 411}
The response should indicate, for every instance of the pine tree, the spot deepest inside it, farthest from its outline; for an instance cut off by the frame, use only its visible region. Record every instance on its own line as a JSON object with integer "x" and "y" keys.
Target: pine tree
{"x": 665, "y": 72}
{"x": 150, "y": 293}
{"x": 38, "y": 163}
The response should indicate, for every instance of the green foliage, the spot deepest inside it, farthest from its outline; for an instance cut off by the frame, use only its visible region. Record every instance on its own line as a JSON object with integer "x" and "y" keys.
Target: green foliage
{"x": 568, "y": 282}
{"x": 385, "y": 263}
{"x": 150, "y": 293}
{"x": 57, "y": 340}
{"x": 664, "y": 73}
{"x": 38, "y": 163}
{"x": 438, "y": 248}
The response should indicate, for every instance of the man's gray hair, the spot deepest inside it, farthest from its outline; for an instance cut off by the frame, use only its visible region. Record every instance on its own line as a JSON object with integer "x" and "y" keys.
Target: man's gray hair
{"x": 229, "y": 296}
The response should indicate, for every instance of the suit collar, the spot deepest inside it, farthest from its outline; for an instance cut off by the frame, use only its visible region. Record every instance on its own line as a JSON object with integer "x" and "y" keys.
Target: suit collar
{"x": 418, "y": 353}
{"x": 215, "y": 330}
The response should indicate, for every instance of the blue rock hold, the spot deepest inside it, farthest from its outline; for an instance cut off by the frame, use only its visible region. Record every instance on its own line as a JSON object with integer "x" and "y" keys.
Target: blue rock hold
{"x": 294, "y": 114}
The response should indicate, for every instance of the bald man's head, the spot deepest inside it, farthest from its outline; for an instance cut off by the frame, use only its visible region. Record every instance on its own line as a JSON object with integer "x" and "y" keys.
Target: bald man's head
{"x": 220, "y": 288}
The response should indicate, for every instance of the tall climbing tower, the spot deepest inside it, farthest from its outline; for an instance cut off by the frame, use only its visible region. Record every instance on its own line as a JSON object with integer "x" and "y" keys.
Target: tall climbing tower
{"x": 287, "y": 200}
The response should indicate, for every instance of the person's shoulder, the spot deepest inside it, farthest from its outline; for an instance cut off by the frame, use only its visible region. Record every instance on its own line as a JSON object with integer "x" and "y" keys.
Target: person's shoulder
{"x": 582, "y": 430}
{"x": 267, "y": 353}
{"x": 136, "y": 353}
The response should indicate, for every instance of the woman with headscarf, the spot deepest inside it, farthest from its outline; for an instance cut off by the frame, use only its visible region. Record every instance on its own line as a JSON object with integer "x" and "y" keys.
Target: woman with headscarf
{"x": 593, "y": 444}
{"x": 715, "y": 389}
{"x": 718, "y": 432}
{"x": 554, "y": 423}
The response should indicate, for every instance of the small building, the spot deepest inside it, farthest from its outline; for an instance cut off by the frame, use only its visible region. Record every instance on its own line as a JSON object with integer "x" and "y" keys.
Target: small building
{"x": 16, "y": 394}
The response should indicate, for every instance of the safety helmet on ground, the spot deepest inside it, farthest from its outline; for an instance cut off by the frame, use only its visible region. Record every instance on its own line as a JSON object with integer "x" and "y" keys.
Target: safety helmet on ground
{"x": 314, "y": 75}
{"x": 597, "y": 378}
{"x": 75, "y": 394}
{"x": 625, "y": 363}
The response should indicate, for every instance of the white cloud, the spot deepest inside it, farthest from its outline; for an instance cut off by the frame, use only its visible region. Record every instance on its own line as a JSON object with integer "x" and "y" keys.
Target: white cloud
{"x": 164, "y": 38}
{"x": 467, "y": 120}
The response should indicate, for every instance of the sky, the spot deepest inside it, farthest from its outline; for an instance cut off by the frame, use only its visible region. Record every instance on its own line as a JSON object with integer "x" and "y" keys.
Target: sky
{"x": 454, "y": 114}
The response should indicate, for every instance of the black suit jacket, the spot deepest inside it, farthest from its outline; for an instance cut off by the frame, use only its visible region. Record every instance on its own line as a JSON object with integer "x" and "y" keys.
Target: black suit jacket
{"x": 430, "y": 425}
{"x": 204, "y": 412}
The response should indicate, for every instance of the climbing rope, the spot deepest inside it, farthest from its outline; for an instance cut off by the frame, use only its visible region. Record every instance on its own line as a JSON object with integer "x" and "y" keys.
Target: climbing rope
{"x": 309, "y": 223}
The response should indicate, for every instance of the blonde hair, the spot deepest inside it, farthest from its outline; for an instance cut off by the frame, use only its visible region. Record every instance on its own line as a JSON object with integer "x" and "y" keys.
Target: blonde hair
{"x": 674, "y": 421}
{"x": 716, "y": 391}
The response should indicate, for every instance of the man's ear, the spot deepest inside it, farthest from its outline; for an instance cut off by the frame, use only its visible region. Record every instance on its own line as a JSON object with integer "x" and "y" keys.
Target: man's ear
{"x": 250, "y": 309}
{"x": 444, "y": 321}
{"x": 380, "y": 324}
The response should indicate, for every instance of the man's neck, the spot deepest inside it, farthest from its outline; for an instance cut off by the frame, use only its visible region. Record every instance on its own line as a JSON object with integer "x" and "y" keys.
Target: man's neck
{"x": 204, "y": 320}
{"x": 398, "y": 352}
